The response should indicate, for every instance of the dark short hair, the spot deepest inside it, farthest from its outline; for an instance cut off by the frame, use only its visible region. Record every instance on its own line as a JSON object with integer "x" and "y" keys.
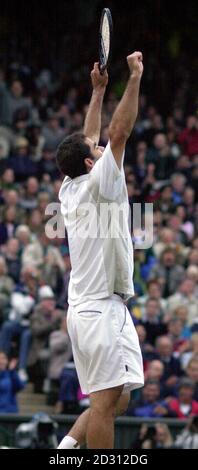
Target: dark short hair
{"x": 152, "y": 382}
{"x": 71, "y": 154}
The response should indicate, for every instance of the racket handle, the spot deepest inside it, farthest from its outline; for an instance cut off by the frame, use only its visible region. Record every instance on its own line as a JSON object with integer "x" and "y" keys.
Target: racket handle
{"x": 102, "y": 70}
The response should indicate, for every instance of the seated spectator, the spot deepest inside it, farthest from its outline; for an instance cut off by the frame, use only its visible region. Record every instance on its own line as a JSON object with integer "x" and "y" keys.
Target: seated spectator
{"x": 23, "y": 235}
{"x": 148, "y": 351}
{"x": 7, "y": 180}
{"x": 47, "y": 163}
{"x": 181, "y": 313}
{"x": 35, "y": 220}
{"x": 186, "y": 296}
{"x": 152, "y": 321}
{"x": 154, "y": 292}
{"x": 60, "y": 352}
{"x": 168, "y": 272}
{"x": 18, "y": 323}
{"x": 178, "y": 182}
{"x": 6, "y": 288}
{"x": 165, "y": 237}
{"x": 68, "y": 391}
{"x": 188, "y": 437}
{"x": 20, "y": 162}
{"x": 146, "y": 438}
{"x": 161, "y": 151}
{"x": 52, "y": 132}
{"x": 189, "y": 201}
{"x": 188, "y": 138}
{"x": 175, "y": 332}
{"x": 155, "y": 370}
{"x": 10, "y": 384}
{"x": 163, "y": 436}
{"x": 193, "y": 255}
{"x": 150, "y": 405}
{"x": 11, "y": 199}
{"x": 12, "y": 258}
{"x": 8, "y": 225}
{"x": 165, "y": 205}
{"x": 29, "y": 198}
{"x": 175, "y": 223}
{"x": 193, "y": 351}
{"x": 172, "y": 368}
{"x": 184, "y": 406}
{"x": 191, "y": 372}
{"x": 192, "y": 274}
{"x": 17, "y": 100}
{"x": 44, "y": 319}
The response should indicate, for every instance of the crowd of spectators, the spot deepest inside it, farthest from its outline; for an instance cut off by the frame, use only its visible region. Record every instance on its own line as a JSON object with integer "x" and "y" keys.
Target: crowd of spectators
{"x": 161, "y": 167}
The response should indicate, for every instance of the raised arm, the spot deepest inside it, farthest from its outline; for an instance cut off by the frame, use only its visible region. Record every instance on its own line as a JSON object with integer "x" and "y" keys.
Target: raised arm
{"x": 92, "y": 125}
{"x": 126, "y": 112}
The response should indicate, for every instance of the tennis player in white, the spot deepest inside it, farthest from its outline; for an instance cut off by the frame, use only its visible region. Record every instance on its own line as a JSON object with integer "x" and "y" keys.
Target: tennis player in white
{"x": 104, "y": 340}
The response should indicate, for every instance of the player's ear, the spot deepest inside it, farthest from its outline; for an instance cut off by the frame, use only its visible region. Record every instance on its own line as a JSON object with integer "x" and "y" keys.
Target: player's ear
{"x": 89, "y": 163}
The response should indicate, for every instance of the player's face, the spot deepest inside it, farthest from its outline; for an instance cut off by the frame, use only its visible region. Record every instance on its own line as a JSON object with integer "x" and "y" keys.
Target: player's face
{"x": 96, "y": 150}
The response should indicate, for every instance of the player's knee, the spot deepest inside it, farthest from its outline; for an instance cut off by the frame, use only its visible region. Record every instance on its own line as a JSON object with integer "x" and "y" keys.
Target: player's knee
{"x": 122, "y": 404}
{"x": 104, "y": 409}
{"x": 106, "y": 403}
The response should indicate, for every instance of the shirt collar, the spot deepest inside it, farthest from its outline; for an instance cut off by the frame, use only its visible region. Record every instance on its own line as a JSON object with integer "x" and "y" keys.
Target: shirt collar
{"x": 78, "y": 179}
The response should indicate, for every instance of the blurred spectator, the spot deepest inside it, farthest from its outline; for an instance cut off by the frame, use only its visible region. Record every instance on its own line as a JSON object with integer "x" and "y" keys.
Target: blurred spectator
{"x": 29, "y": 199}
{"x": 146, "y": 438}
{"x": 188, "y": 438}
{"x": 172, "y": 368}
{"x": 20, "y": 162}
{"x": 6, "y": 287}
{"x": 152, "y": 321}
{"x": 60, "y": 353}
{"x": 186, "y": 296}
{"x": 17, "y": 102}
{"x": 181, "y": 313}
{"x": 18, "y": 324}
{"x": 163, "y": 436}
{"x": 192, "y": 374}
{"x": 168, "y": 272}
{"x": 150, "y": 405}
{"x": 193, "y": 350}
{"x": 189, "y": 137}
{"x": 175, "y": 332}
{"x": 43, "y": 321}
{"x": 7, "y": 228}
{"x": 161, "y": 151}
{"x": 12, "y": 259}
{"x": 178, "y": 182}
{"x": 148, "y": 351}
{"x": 154, "y": 292}
{"x": 184, "y": 406}
{"x": 68, "y": 391}
{"x": 10, "y": 384}
{"x": 52, "y": 132}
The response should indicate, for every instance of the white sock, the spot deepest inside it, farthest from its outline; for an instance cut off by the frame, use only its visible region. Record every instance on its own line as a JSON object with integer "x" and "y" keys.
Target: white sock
{"x": 68, "y": 442}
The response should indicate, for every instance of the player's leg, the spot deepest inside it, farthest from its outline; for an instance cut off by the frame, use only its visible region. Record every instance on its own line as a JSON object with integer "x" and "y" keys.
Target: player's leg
{"x": 77, "y": 434}
{"x": 100, "y": 428}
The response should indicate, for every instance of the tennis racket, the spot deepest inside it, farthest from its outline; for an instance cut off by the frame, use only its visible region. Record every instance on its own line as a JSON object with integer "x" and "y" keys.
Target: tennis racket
{"x": 105, "y": 39}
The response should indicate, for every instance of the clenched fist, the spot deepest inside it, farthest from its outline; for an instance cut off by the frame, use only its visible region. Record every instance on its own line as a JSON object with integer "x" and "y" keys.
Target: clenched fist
{"x": 98, "y": 81}
{"x": 135, "y": 63}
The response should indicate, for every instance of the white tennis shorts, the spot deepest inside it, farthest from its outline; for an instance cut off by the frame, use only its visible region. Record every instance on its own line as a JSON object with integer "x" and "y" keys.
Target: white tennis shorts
{"x": 105, "y": 345}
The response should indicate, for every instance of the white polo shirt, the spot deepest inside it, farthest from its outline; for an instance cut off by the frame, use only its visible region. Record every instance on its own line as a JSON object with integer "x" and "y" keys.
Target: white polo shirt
{"x": 96, "y": 213}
